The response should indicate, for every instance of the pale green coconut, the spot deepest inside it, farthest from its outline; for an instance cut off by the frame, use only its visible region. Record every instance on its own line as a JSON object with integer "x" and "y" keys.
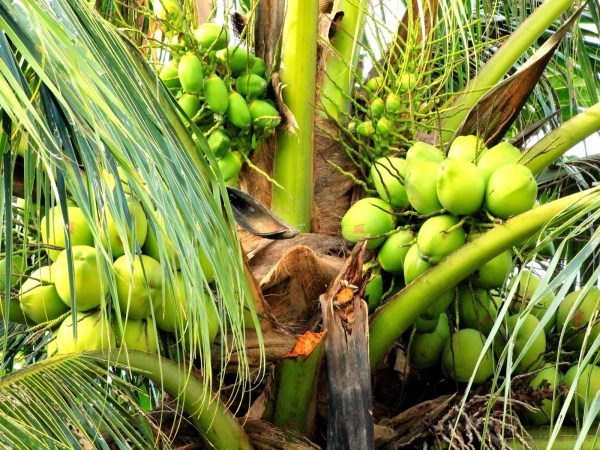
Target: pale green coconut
{"x": 90, "y": 277}
{"x": 374, "y": 292}
{"x": 136, "y": 227}
{"x": 426, "y": 324}
{"x": 17, "y": 268}
{"x": 191, "y": 73}
{"x": 500, "y": 155}
{"x": 586, "y": 389}
{"x": 533, "y": 357}
{"x": 511, "y": 190}
{"x": 393, "y": 251}
{"x": 139, "y": 335}
{"x": 460, "y": 187}
{"x": 421, "y": 187}
{"x": 93, "y": 333}
{"x": 460, "y": 356}
{"x": 546, "y": 380}
{"x": 476, "y": 309}
{"x": 52, "y": 229}
{"x": 139, "y": 285}
{"x": 39, "y": 299}
{"x": 438, "y": 237}
{"x": 468, "y": 148}
{"x": 583, "y": 312}
{"x": 439, "y": 305}
{"x": 528, "y": 284}
{"x": 426, "y": 349}
{"x": 414, "y": 265}
{"x": 367, "y": 219}
{"x": 422, "y": 152}
{"x": 388, "y": 178}
{"x": 494, "y": 273}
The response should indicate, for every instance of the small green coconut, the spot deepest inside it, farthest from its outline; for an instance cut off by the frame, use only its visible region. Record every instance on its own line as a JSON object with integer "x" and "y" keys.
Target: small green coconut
{"x": 460, "y": 356}
{"x": 393, "y": 251}
{"x": 426, "y": 349}
{"x": 423, "y": 152}
{"x": 460, "y": 187}
{"x": 583, "y": 310}
{"x": 545, "y": 383}
{"x": 367, "y": 219}
{"x": 468, "y": 148}
{"x": 421, "y": 187}
{"x": 191, "y": 73}
{"x": 388, "y": 178}
{"x": 374, "y": 292}
{"x": 511, "y": 190}
{"x": 139, "y": 335}
{"x": 476, "y": 309}
{"x": 438, "y": 237}
{"x": 528, "y": 285}
{"x": 494, "y": 273}
{"x": 414, "y": 265}
{"x": 439, "y": 305}
{"x": 426, "y": 324}
{"x": 532, "y": 357}
{"x": 94, "y": 332}
{"x": 586, "y": 389}
{"x": 17, "y": 268}
{"x": 52, "y": 228}
{"x": 139, "y": 285}
{"x": 39, "y": 299}
{"x": 500, "y": 155}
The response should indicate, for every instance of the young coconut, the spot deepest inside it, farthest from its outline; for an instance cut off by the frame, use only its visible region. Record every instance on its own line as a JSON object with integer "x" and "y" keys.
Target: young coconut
{"x": 367, "y": 219}
{"x": 93, "y": 333}
{"x": 546, "y": 383}
{"x": 494, "y": 273}
{"x": 468, "y": 148}
{"x": 533, "y": 356}
{"x": 393, "y": 251}
{"x": 422, "y": 152}
{"x": 476, "y": 309}
{"x": 586, "y": 389}
{"x": 135, "y": 223}
{"x": 528, "y": 285}
{"x": 191, "y": 73}
{"x": 90, "y": 279}
{"x": 421, "y": 187}
{"x": 52, "y": 228}
{"x": 414, "y": 265}
{"x": 460, "y": 187}
{"x": 426, "y": 349}
{"x": 426, "y": 324}
{"x": 138, "y": 335}
{"x": 139, "y": 285}
{"x": 17, "y": 267}
{"x": 39, "y": 299}
{"x": 460, "y": 356}
{"x": 500, "y": 155}
{"x": 583, "y": 311}
{"x": 438, "y": 237}
{"x": 511, "y": 190}
{"x": 388, "y": 177}
{"x": 374, "y": 292}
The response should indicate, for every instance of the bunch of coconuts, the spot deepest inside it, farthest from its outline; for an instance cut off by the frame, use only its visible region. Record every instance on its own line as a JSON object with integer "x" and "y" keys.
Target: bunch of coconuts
{"x": 429, "y": 204}
{"x": 220, "y": 87}
{"x": 142, "y": 298}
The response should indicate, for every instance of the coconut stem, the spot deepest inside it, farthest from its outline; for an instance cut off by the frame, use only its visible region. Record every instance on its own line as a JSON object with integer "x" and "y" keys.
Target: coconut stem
{"x": 217, "y": 426}
{"x": 567, "y": 439}
{"x": 341, "y": 64}
{"x": 511, "y": 50}
{"x": 293, "y": 162}
{"x": 404, "y": 308}
{"x": 558, "y": 141}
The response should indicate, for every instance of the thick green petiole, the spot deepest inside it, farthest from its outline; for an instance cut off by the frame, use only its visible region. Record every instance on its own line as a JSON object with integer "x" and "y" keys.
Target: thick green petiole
{"x": 293, "y": 162}
{"x": 402, "y": 310}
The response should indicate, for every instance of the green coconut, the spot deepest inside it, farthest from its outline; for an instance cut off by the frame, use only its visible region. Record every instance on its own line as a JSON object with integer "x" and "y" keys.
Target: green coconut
{"x": 138, "y": 335}
{"x": 500, "y": 155}
{"x": 426, "y": 349}
{"x": 135, "y": 227}
{"x": 476, "y": 309}
{"x": 421, "y": 187}
{"x": 169, "y": 74}
{"x": 586, "y": 389}
{"x": 52, "y": 228}
{"x": 211, "y": 36}
{"x": 414, "y": 265}
{"x": 532, "y": 357}
{"x": 460, "y": 356}
{"x": 388, "y": 177}
{"x": 39, "y": 299}
{"x": 460, "y": 187}
{"x": 467, "y": 148}
{"x": 545, "y": 385}
{"x": 151, "y": 247}
{"x": 374, "y": 292}
{"x": 583, "y": 310}
{"x": 191, "y": 73}
{"x": 15, "y": 313}
{"x": 439, "y": 305}
{"x": 438, "y": 237}
{"x": 94, "y": 332}
{"x": 90, "y": 280}
{"x": 426, "y": 324}
{"x": 190, "y": 104}
{"x": 492, "y": 274}
{"x": 17, "y": 268}
{"x": 511, "y": 190}
{"x": 528, "y": 284}
{"x": 367, "y": 219}
{"x": 393, "y": 251}
{"x": 139, "y": 285}
{"x": 422, "y": 152}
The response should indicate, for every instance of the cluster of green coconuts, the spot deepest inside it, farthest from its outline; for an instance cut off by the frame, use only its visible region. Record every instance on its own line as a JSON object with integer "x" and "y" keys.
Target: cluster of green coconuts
{"x": 220, "y": 87}
{"x": 381, "y": 123}
{"x": 429, "y": 205}
{"x": 146, "y": 302}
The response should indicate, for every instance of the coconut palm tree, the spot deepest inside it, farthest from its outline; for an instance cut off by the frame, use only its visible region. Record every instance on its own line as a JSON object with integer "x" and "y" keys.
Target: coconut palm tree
{"x": 83, "y": 109}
